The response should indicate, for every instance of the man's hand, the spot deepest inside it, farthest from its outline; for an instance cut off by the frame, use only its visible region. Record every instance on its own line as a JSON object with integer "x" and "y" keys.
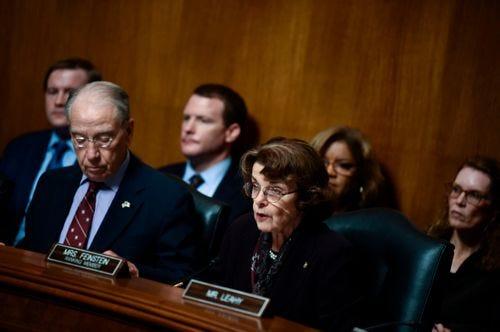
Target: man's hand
{"x": 134, "y": 272}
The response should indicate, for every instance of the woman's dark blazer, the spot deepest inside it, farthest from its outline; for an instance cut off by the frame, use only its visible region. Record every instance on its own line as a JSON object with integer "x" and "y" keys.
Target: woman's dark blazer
{"x": 314, "y": 285}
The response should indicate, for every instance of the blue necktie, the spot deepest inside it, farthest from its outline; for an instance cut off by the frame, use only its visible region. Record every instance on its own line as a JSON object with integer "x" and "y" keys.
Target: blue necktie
{"x": 58, "y": 148}
{"x": 196, "y": 181}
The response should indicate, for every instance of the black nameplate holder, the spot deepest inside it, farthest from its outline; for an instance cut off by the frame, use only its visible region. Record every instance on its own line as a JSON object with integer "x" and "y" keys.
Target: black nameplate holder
{"x": 223, "y": 297}
{"x": 87, "y": 260}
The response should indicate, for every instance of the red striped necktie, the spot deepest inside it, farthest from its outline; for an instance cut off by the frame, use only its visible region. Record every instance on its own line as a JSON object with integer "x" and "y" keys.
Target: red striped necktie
{"x": 78, "y": 231}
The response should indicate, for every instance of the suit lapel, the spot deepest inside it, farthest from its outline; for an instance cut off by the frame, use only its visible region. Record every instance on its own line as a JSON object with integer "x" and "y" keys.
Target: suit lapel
{"x": 63, "y": 198}
{"x": 39, "y": 149}
{"x": 179, "y": 169}
{"x": 124, "y": 207}
{"x": 300, "y": 263}
{"x": 227, "y": 188}
{"x": 175, "y": 169}
{"x": 32, "y": 163}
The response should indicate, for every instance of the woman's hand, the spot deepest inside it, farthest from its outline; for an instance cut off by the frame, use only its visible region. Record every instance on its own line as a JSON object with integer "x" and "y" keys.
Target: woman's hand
{"x": 440, "y": 328}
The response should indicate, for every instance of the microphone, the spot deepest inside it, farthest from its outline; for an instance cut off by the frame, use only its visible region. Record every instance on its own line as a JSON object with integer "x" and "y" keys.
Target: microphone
{"x": 388, "y": 324}
{"x": 207, "y": 267}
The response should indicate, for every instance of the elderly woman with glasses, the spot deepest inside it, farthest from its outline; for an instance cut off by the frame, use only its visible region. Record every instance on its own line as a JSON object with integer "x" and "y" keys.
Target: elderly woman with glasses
{"x": 354, "y": 175}
{"x": 282, "y": 250}
{"x": 471, "y": 223}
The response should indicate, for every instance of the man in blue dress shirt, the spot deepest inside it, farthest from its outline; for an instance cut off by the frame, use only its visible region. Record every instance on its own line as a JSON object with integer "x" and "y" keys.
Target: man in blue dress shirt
{"x": 27, "y": 157}
{"x": 213, "y": 122}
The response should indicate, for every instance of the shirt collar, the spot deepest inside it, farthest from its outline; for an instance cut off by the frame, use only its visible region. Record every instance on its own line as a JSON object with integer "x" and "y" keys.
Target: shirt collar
{"x": 114, "y": 181}
{"x": 54, "y": 138}
{"x": 212, "y": 174}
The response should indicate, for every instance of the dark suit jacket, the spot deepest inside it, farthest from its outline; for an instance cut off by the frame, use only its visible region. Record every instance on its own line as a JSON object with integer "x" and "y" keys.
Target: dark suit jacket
{"x": 20, "y": 163}
{"x": 314, "y": 286}
{"x": 5, "y": 192}
{"x": 157, "y": 232}
{"x": 229, "y": 191}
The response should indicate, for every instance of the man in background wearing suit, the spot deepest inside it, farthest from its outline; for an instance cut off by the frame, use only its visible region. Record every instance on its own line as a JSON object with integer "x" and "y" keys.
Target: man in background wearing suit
{"x": 214, "y": 118}
{"x": 27, "y": 157}
{"x": 112, "y": 202}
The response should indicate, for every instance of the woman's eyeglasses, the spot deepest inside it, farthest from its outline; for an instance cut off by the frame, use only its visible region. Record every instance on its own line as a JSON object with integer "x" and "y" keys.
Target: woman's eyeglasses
{"x": 473, "y": 197}
{"x": 342, "y": 167}
{"x": 272, "y": 194}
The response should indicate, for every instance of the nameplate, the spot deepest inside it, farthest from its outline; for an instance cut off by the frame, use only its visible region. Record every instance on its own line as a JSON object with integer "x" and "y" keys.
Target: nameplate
{"x": 246, "y": 303}
{"x": 88, "y": 260}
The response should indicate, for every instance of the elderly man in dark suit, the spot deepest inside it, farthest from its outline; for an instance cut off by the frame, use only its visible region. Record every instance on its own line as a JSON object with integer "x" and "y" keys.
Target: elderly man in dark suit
{"x": 27, "y": 157}
{"x": 112, "y": 202}
{"x": 214, "y": 118}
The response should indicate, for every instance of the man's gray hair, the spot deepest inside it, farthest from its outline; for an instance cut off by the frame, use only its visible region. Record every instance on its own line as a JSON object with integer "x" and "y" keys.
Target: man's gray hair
{"x": 102, "y": 93}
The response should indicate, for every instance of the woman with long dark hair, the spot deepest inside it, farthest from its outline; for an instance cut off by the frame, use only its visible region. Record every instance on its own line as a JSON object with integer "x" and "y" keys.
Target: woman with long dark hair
{"x": 354, "y": 175}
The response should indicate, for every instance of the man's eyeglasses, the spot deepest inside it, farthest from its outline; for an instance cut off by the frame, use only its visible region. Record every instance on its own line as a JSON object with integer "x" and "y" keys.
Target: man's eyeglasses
{"x": 272, "y": 194}
{"x": 342, "y": 167}
{"x": 101, "y": 141}
{"x": 471, "y": 196}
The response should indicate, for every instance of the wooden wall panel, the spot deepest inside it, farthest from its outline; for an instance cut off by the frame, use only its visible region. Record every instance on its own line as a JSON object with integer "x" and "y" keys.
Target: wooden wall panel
{"x": 421, "y": 78}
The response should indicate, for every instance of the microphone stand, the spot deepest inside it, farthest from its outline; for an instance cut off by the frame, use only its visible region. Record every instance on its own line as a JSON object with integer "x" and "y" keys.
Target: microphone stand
{"x": 185, "y": 280}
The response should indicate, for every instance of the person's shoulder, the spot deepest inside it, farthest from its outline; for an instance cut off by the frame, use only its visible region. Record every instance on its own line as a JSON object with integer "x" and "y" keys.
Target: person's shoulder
{"x": 327, "y": 240}
{"x": 55, "y": 178}
{"x": 156, "y": 179}
{"x": 241, "y": 232}
{"x": 27, "y": 139}
{"x": 63, "y": 173}
{"x": 230, "y": 187}
{"x": 234, "y": 171}
{"x": 243, "y": 224}
{"x": 175, "y": 169}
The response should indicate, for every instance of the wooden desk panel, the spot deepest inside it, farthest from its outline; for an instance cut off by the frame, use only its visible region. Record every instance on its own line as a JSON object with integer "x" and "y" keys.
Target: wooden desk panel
{"x": 37, "y": 295}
